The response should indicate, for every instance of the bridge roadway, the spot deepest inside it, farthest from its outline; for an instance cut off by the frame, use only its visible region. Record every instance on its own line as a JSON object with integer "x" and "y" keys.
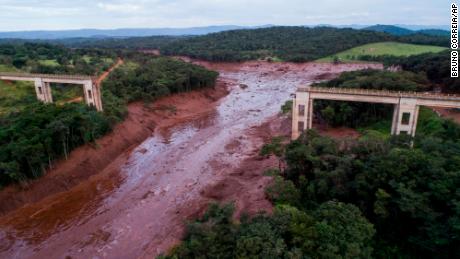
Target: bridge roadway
{"x": 405, "y": 115}
{"x": 42, "y": 83}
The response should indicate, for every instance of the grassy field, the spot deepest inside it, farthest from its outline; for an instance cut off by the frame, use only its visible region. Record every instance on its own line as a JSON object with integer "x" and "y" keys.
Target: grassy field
{"x": 49, "y": 62}
{"x": 380, "y": 49}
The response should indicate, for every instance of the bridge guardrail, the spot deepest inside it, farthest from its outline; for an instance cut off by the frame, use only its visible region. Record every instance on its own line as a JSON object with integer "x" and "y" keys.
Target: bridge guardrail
{"x": 382, "y": 93}
{"x": 51, "y": 76}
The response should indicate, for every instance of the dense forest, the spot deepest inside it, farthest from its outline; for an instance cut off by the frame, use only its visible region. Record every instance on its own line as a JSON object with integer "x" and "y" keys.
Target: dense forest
{"x": 375, "y": 197}
{"x": 48, "y": 58}
{"x": 33, "y": 137}
{"x": 287, "y": 43}
{"x": 149, "y": 78}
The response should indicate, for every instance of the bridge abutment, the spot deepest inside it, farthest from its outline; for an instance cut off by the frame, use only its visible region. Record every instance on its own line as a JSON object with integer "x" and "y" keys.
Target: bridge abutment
{"x": 302, "y": 114}
{"x": 92, "y": 95}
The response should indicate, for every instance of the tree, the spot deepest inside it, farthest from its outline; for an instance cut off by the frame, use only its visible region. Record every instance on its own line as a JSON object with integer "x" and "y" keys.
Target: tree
{"x": 275, "y": 147}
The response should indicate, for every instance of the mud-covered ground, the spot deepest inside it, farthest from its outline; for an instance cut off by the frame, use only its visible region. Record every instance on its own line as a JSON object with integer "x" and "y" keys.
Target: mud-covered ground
{"x": 133, "y": 201}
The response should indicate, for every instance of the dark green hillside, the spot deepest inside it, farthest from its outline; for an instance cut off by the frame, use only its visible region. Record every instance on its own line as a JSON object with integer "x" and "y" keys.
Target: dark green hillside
{"x": 286, "y": 43}
{"x": 297, "y": 44}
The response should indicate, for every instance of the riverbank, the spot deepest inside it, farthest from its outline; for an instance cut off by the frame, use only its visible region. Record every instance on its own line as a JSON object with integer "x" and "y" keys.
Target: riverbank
{"x": 90, "y": 159}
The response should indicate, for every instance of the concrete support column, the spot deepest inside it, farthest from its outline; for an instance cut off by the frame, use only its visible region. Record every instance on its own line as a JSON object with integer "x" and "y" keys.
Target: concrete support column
{"x": 394, "y": 124}
{"x": 92, "y": 95}
{"x": 302, "y": 114}
{"x": 43, "y": 91}
{"x": 405, "y": 117}
{"x": 310, "y": 114}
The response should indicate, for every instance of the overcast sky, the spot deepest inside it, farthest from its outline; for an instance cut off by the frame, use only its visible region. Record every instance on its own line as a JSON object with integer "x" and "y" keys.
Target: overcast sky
{"x": 105, "y": 14}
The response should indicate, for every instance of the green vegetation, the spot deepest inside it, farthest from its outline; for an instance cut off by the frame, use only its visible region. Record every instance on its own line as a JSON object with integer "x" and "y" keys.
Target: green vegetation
{"x": 373, "y": 197}
{"x": 31, "y": 139}
{"x": 382, "y": 49}
{"x": 333, "y": 230}
{"x": 286, "y": 108}
{"x": 47, "y": 58}
{"x": 156, "y": 77}
{"x": 436, "y": 66}
{"x": 408, "y": 194}
{"x": 15, "y": 96}
{"x": 296, "y": 44}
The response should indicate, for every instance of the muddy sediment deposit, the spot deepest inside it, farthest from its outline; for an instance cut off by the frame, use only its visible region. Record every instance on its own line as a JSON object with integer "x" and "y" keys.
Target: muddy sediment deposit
{"x": 129, "y": 197}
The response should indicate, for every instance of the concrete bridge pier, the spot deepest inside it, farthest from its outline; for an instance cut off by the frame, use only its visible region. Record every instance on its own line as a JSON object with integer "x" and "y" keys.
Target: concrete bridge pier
{"x": 405, "y": 117}
{"x": 302, "y": 114}
{"x": 92, "y": 94}
{"x": 43, "y": 91}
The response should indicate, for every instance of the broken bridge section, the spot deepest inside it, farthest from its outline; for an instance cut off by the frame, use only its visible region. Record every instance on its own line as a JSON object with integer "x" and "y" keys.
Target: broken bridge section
{"x": 406, "y": 105}
{"x": 42, "y": 83}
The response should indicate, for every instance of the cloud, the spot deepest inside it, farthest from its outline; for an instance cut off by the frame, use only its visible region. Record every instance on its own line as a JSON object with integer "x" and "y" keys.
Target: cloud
{"x": 120, "y": 8}
{"x": 58, "y": 14}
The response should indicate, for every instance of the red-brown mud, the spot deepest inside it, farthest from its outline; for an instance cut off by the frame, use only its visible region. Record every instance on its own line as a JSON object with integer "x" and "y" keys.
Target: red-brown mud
{"x": 452, "y": 114}
{"x": 135, "y": 206}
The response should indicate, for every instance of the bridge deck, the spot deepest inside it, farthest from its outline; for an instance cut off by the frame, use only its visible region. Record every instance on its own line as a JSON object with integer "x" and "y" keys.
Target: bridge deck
{"x": 381, "y": 93}
{"x": 48, "y": 76}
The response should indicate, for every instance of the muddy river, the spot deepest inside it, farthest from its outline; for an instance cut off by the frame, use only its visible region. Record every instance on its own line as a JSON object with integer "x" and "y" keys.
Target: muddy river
{"x": 136, "y": 209}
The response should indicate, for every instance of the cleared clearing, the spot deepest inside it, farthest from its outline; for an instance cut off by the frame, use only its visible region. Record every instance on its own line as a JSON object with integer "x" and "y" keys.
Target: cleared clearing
{"x": 380, "y": 49}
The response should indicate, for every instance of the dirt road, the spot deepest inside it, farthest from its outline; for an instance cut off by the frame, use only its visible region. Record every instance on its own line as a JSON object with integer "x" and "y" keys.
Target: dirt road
{"x": 104, "y": 75}
{"x": 135, "y": 207}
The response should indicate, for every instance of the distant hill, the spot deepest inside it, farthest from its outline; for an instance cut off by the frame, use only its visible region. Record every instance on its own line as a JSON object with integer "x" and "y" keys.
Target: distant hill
{"x": 400, "y": 31}
{"x": 391, "y": 29}
{"x": 434, "y": 32}
{"x": 133, "y": 32}
{"x": 195, "y": 31}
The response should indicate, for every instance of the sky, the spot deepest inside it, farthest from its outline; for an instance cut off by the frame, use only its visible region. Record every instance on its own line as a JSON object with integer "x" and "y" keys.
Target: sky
{"x": 18, "y": 15}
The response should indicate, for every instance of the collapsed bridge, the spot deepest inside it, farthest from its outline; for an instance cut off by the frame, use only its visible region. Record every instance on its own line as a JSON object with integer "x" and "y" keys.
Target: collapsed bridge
{"x": 406, "y": 105}
{"x": 91, "y": 88}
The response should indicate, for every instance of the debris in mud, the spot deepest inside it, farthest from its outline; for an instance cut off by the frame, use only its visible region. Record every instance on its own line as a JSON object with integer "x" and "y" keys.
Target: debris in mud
{"x": 142, "y": 150}
{"x": 243, "y": 86}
